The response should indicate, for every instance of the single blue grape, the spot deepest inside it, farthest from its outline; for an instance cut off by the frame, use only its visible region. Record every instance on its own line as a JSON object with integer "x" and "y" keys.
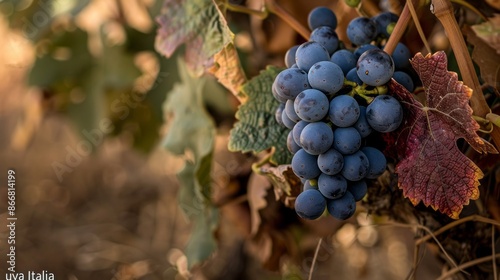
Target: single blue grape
{"x": 311, "y": 105}
{"x": 276, "y": 93}
{"x": 297, "y": 130}
{"x": 384, "y": 114}
{"x": 342, "y": 208}
{"x": 327, "y": 37}
{"x": 375, "y": 67}
{"x": 382, "y": 21}
{"x": 358, "y": 189}
{"x": 326, "y": 76}
{"x": 321, "y": 16}
{"x": 330, "y": 162}
{"x": 305, "y": 165}
{"x": 310, "y": 204}
{"x": 377, "y": 162}
{"x": 361, "y": 49}
{"x": 316, "y": 138}
{"x": 287, "y": 122}
{"x": 347, "y": 140}
{"x": 278, "y": 113}
{"x": 362, "y": 125}
{"x": 309, "y": 53}
{"x": 344, "y": 111}
{"x": 404, "y": 79}
{"x": 290, "y": 111}
{"x": 290, "y": 82}
{"x": 401, "y": 56}
{"x": 292, "y": 146}
{"x": 332, "y": 187}
{"x": 361, "y": 30}
{"x": 344, "y": 59}
{"x": 355, "y": 166}
{"x": 290, "y": 56}
{"x": 352, "y": 76}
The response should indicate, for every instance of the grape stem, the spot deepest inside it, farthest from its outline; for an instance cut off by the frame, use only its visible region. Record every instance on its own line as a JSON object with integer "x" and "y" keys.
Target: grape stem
{"x": 276, "y": 9}
{"x": 361, "y": 91}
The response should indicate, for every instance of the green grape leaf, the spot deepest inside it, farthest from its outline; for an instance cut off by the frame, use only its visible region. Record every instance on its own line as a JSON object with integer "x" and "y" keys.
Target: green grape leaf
{"x": 197, "y": 23}
{"x": 201, "y": 243}
{"x": 191, "y": 134}
{"x": 257, "y": 129}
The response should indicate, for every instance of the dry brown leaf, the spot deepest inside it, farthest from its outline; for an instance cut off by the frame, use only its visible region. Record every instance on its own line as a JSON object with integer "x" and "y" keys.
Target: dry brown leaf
{"x": 489, "y": 32}
{"x": 286, "y": 184}
{"x": 486, "y": 57}
{"x": 228, "y": 71}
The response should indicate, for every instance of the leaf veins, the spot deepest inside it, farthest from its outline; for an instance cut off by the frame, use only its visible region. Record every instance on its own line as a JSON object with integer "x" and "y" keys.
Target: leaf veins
{"x": 432, "y": 169}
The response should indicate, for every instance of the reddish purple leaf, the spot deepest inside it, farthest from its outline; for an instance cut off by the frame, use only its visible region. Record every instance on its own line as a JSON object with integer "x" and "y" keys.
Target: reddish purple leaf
{"x": 432, "y": 169}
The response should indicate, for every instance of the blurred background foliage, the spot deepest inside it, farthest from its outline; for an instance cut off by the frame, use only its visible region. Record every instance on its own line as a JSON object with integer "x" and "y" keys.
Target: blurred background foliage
{"x": 84, "y": 120}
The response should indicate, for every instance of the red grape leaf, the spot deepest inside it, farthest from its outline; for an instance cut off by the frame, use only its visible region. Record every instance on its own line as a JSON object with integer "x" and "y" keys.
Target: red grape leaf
{"x": 432, "y": 169}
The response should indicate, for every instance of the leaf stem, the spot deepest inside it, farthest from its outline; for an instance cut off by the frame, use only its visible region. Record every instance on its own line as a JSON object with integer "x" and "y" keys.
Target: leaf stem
{"x": 276, "y": 9}
{"x": 443, "y": 10}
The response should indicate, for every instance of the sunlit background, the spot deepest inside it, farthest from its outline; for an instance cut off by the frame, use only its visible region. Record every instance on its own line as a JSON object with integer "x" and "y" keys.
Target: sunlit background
{"x": 81, "y": 123}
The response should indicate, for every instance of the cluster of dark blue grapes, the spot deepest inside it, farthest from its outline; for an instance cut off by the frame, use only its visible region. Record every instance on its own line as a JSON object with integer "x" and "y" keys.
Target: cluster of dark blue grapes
{"x": 327, "y": 125}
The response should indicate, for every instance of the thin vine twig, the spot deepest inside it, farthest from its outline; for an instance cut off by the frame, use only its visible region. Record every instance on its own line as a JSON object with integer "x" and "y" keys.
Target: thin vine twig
{"x": 314, "y": 259}
{"x": 262, "y": 14}
{"x": 276, "y": 9}
{"x": 456, "y": 223}
{"x": 420, "y": 31}
{"x": 466, "y": 265}
{"x": 495, "y": 274}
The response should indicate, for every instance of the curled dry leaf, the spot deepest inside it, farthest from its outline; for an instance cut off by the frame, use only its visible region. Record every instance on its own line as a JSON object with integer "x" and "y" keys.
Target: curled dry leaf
{"x": 486, "y": 57}
{"x": 432, "y": 169}
{"x": 286, "y": 185}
